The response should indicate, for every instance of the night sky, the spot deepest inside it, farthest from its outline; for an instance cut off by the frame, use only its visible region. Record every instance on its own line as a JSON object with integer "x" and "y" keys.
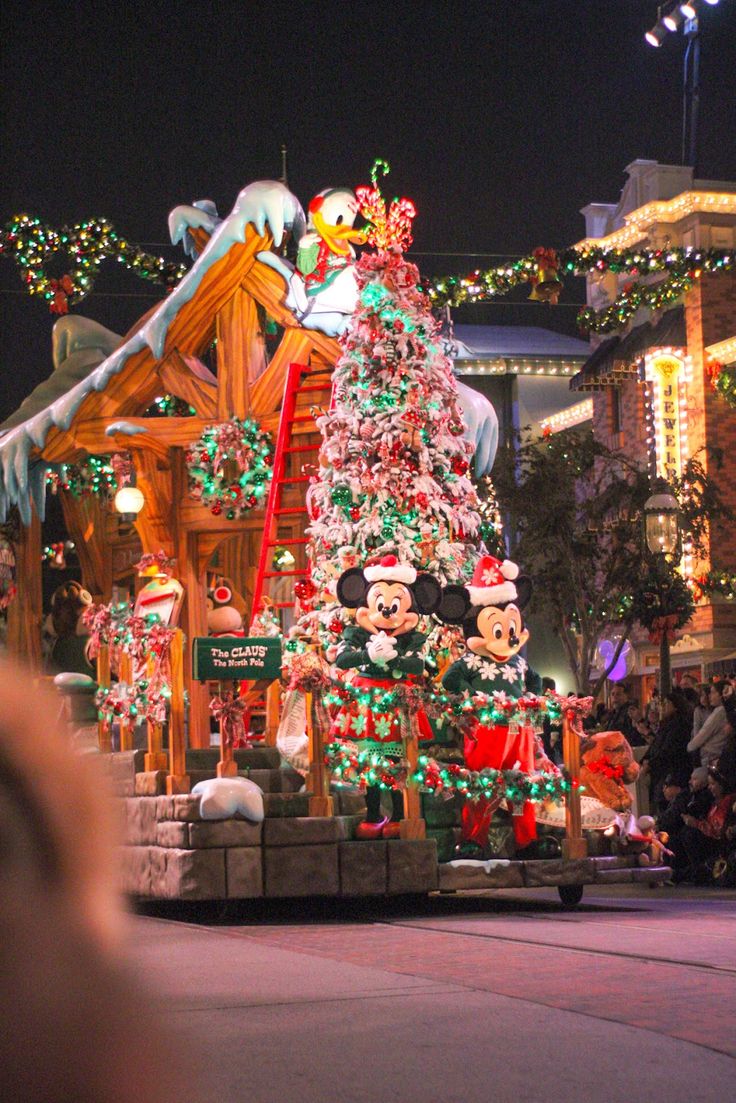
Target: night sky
{"x": 500, "y": 119}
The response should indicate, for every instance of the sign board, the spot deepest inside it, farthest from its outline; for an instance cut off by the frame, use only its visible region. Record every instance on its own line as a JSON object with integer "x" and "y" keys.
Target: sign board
{"x": 234, "y": 658}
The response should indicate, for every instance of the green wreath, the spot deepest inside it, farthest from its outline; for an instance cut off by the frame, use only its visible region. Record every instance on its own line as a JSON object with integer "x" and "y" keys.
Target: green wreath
{"x": 229, "y": 467}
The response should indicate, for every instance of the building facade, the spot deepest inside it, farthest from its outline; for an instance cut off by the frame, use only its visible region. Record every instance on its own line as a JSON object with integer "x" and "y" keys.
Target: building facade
{"x": 651, "y": 383}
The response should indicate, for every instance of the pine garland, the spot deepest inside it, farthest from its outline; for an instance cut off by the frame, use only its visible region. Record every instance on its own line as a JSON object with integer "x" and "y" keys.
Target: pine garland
{"x": 33, "y": 244}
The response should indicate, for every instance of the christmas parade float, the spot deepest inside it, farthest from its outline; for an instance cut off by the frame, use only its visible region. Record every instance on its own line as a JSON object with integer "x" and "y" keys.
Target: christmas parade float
{"x": 295, "y": 558}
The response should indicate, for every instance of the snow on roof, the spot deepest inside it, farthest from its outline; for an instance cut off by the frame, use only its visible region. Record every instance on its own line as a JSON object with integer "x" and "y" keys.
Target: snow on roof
{"x": 486, "y": 342}
{"x": 264, "y": 203}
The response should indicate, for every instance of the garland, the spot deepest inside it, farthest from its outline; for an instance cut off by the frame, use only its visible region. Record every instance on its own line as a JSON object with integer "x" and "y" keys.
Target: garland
{"x": 8, "y": 588}
{"x": 363, "y": 768}
{"x": 723, "y": 381}
{"x": 229, "y": 467}
{"x": 94, "y": 476}
{"x": 461, "y": 710}
{"x": 32, "y": 244}
{"x": 156, "y": 563}
{"x": 714, "y": 582}
{"x": 681, "y": 267}
{"x": 143, "y": 638}
{"x": 662, "y": 604}
{"x": 142, "y": 701}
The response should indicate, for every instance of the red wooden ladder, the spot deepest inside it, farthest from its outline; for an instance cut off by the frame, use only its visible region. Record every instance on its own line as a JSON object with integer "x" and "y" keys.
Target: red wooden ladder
{"x": 299, "y": 381}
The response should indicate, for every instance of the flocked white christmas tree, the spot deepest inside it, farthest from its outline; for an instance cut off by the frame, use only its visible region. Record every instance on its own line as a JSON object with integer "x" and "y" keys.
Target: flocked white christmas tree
{"x": 394, "y": 463}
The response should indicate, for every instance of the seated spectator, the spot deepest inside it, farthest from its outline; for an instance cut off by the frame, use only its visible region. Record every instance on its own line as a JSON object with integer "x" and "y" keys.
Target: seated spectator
{"x": 716, "y": 733}
{"x": 676, "y": 796}
{"x": 667, "y": 753}
{"x": 700, "y": 799}
{"x": 702, "y": 839}
{"x": 617, "y": 718}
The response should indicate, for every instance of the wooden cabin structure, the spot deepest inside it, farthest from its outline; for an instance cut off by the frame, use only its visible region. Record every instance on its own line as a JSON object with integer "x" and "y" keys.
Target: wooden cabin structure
{"x": 225, "y": 321}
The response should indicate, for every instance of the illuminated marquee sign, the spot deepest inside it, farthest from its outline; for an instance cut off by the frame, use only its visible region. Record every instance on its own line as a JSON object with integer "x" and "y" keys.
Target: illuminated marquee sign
{"x": 666, "y": 372}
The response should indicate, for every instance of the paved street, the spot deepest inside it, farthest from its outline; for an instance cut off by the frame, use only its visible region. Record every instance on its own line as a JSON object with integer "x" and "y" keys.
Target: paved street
{"x": 503, "y": 997}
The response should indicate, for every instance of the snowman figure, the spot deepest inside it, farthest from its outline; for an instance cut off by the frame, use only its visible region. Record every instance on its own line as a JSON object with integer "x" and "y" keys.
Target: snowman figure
{"x": 322, "y": 289}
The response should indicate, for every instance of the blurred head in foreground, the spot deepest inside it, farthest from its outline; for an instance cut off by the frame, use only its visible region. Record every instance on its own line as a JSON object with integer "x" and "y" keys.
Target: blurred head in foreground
{"x": 76, "y": 1026}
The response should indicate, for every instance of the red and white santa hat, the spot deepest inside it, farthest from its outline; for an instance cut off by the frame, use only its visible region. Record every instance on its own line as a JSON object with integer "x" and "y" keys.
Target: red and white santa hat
{"x": 388, "y": 569}
{"x": 493, "y": 581}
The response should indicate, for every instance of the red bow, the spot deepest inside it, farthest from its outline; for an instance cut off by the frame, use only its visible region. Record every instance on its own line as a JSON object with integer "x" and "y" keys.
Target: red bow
{"x": 662, "y": 625}
{"x": 605, "y": 767}
{"x": 62, "y": 289}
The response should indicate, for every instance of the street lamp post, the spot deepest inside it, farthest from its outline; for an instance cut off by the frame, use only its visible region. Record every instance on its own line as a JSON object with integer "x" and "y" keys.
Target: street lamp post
{"x": 661, "y": 519}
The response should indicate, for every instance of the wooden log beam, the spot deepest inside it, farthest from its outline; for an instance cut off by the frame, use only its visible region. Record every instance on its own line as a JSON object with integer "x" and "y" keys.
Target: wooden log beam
{"x": 85, "y": 520}
{"x": 178, "y": 780}
{"x": 179, "y": 379}
{"x": 154, "y": 522}
{"x": 241, "y": 354}
{"x": 25, "y": 613}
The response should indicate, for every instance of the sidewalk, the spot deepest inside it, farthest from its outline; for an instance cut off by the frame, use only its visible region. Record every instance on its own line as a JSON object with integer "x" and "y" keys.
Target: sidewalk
{"x": 460, "y": 1000}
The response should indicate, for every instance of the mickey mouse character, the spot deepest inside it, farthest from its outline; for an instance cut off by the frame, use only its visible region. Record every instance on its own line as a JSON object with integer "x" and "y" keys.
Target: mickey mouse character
{"x": 383, "y": 645}
{"x": 490, "y": 613}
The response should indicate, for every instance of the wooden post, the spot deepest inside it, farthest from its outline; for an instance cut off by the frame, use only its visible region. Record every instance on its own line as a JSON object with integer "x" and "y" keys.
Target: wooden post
{"x": 178, "y": 780}
{"x": 320, "y": 802}
{"x": 273, "y": 702}
{"x": 573, "y": 845}
{"x": 104, "y": 733}
{"x": 227, "y": 766}
{"x": 412, "y": 825}
{"x": 155, "y": 758}
{"x": 25, "y": 612}
{"x": 125, "y": 674}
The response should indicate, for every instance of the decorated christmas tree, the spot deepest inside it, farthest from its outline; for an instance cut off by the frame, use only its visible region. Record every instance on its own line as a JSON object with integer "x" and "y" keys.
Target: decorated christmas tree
{"x": 394, "y": 465}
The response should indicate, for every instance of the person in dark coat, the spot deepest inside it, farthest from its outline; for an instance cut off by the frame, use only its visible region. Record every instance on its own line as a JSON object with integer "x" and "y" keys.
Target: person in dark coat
{"x": 677, "y": 796}
{"x": 668, "y": 751}
{"x": 618, "y": 717}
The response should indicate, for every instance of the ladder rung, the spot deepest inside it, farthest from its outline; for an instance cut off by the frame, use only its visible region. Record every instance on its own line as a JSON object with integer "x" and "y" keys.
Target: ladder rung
{"x": 304, "y": 448}
{"x": 295, "y": 479}
{"x": 283, "y": 574}
{"x": 283, "y": 543}
{"x": 312, "y": 387}
{"x": 284, "y": 604}
{"x": 301, "y": 418}
{"x": 289, "y": 510}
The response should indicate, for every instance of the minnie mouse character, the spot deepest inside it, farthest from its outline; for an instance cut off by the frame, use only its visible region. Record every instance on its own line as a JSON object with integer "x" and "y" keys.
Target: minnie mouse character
{"x": 389, "y": 597}
{"x": 490, "y": 613}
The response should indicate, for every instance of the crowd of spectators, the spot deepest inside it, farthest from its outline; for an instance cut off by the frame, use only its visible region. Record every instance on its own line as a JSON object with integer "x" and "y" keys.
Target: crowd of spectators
{"x": 689, "y": 763}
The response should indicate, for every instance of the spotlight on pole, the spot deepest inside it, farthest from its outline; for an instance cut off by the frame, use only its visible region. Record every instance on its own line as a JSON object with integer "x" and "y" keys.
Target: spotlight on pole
{"x": 672, "y": 20}
{"x": 688, "y": 11}
{"x": 711, "y": 2}
{"x": 657, "y": 35}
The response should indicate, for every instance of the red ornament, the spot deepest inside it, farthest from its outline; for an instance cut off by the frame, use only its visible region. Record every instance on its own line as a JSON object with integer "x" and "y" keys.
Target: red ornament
{"x": 335, "y": 626}
{"x": 305, "y": 589}
{"x": 355, "y": 513}
{"x": 216, "y": 509}
{"x": 459, "y": 465}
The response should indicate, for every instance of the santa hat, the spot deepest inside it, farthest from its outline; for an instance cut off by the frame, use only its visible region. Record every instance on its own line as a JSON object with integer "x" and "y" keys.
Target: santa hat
{"x": 493, "y": 582}
{"x": 388, "y": 569}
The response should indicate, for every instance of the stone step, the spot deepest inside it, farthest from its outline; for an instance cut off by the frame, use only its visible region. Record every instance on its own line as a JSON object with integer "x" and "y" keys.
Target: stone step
{"x": 269, "y": 781}
{"x": 257, "y": 758}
